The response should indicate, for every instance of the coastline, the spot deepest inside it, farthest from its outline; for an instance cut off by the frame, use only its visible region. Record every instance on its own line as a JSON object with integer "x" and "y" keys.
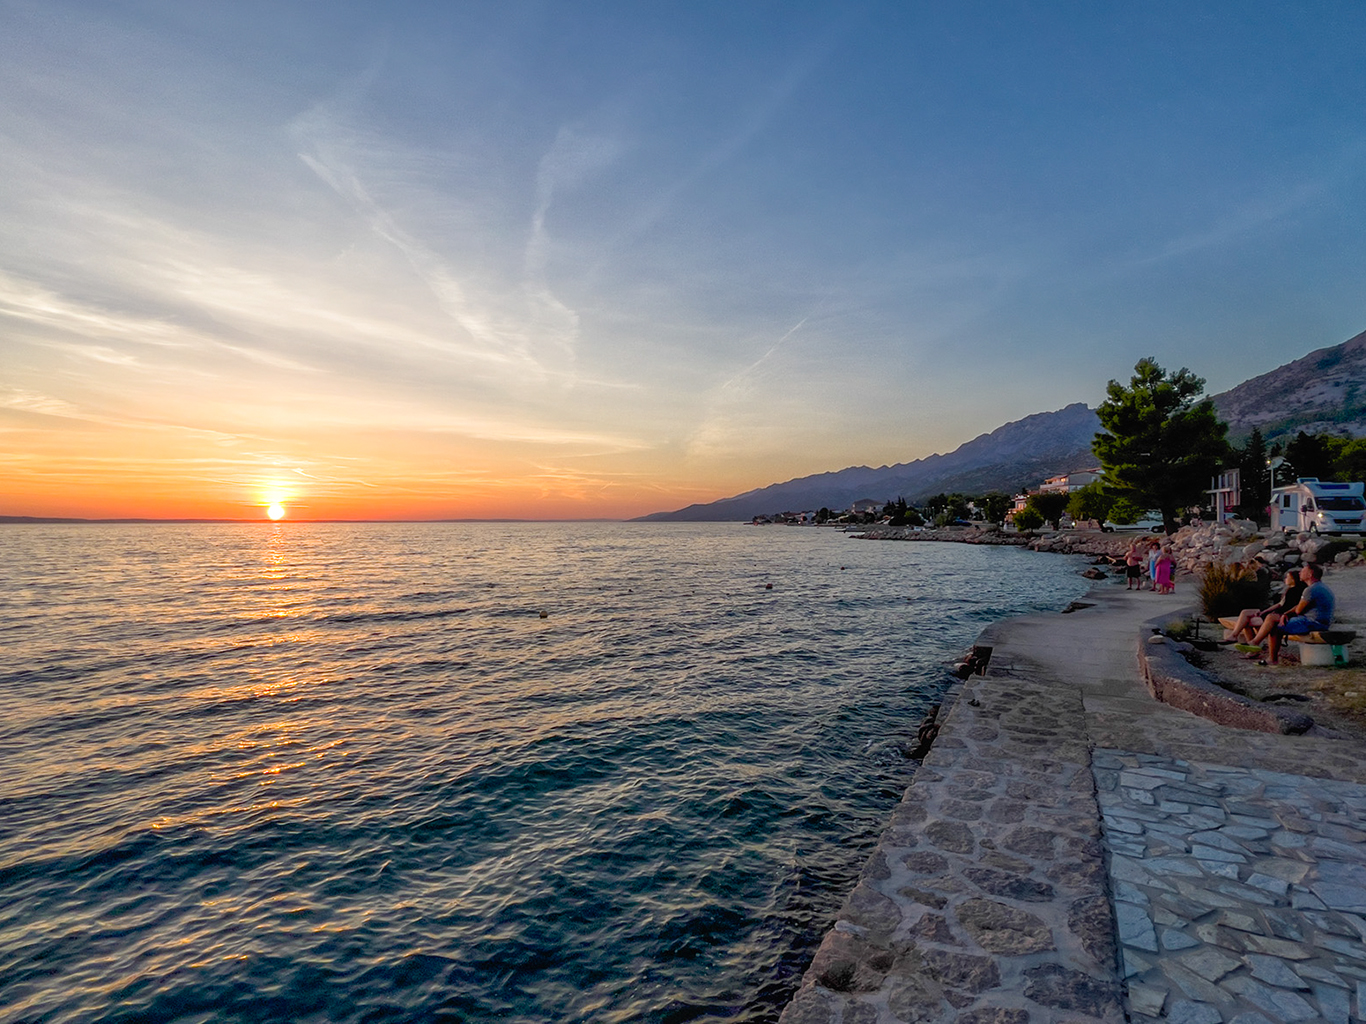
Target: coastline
{"x": 1026, "y": 875}
{"x": 1194, "y": 548}
{"x": 1065, "y": 542}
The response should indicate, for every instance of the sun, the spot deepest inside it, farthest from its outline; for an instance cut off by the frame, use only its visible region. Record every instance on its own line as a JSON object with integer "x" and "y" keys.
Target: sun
{"x": 276, "y": 511}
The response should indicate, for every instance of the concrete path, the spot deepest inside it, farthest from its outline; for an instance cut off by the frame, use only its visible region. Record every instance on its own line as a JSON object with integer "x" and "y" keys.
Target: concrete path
{"x": 1063, "y": 808}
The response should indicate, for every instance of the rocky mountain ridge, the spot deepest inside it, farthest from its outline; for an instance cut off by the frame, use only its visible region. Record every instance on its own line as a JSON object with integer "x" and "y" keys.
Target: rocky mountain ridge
{"x": 1324, "y": 390}
{"x": 1009, "y": 457}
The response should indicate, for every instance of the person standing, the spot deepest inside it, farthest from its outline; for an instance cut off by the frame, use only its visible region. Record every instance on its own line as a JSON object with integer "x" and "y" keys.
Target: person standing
{"x": 1164, "y": 572}
{"x": 1133, "y": 568}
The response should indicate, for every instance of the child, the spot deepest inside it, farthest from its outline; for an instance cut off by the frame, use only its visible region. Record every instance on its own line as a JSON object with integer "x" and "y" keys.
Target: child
{"x": 1133, "y": 568}
{"x": 1162, "y": 580}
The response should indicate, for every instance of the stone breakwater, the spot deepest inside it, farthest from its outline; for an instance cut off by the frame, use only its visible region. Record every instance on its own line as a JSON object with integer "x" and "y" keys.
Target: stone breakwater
{"x": 986, "y": 900}
{"x": 1194, "y": 548}
{"x": 1073, "y": 852}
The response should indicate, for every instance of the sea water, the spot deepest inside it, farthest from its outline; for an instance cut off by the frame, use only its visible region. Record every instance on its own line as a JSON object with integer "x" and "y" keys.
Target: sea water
{"x": 464, "y": 772}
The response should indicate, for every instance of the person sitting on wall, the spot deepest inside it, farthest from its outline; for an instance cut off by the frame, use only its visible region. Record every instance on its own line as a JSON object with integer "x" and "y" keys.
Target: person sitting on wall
{"x": 1250, "y": 618}
{"x": 1313, "y": 614}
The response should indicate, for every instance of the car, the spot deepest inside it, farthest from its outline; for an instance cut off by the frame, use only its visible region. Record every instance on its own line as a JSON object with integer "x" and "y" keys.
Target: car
{"x": 1148, "y": 522}
{"x": 1092, "y": 524}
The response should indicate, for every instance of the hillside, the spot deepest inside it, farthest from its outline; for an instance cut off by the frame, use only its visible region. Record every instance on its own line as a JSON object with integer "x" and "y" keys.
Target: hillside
{"x": 1010, "y": 457}
{"x": 1323, "y": 391}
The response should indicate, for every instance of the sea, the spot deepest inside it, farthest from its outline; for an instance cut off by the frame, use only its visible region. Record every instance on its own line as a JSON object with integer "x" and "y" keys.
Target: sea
{"x": 517, "y": 772}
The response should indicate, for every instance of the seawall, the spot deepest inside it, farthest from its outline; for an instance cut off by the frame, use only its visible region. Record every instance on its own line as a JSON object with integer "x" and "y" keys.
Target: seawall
{"x": 1073, "y": 850}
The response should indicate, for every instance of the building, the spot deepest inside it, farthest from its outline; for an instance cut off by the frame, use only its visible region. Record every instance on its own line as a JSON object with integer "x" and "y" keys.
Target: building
{"x": 1068, "y": 482}
{"x": 1225, "y": 494}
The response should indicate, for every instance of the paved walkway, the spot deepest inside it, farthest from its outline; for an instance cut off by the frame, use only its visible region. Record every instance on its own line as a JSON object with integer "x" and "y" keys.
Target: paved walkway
{"x": 1062, "y": 808}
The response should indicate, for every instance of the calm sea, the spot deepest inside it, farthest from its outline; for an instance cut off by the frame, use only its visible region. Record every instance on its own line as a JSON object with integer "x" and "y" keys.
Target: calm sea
{"x": 462, "y": 772}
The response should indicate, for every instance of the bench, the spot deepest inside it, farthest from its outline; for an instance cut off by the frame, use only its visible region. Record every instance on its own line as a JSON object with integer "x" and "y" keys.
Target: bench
{"x": 1326, "y": 647}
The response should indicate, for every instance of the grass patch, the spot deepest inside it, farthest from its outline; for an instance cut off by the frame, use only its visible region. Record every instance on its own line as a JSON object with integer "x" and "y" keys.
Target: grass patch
{"x": 1228, "y": 589}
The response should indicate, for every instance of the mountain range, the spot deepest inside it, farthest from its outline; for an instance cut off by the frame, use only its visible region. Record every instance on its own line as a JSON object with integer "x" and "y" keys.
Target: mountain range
{"x": 1323, "y": 391}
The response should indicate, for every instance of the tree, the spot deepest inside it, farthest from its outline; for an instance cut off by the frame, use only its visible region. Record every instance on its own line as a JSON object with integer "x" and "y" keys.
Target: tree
{"x": 1124, "y": 512}
{"x": 993, "y": 507}
{"x": 1160, "y": 445}
{"x": 951, "y": 507}
{"x": 1254, "y": 476}
{"x": 1315, "y": 454}
{"x": 1090, "y": 502}
{"x": 1049, "y": 504}
{"x": 899, "y": 513}
{"x": 1028, "y": 518}
{"x": 1352, "y": 460}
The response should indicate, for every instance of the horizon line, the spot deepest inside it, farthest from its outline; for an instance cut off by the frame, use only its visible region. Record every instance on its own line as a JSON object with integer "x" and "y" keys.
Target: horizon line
{"x": 49, "y": 520}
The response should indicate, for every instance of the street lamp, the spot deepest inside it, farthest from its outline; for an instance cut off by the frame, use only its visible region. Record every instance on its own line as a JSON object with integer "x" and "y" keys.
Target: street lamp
{"x": 1273, "y": 463}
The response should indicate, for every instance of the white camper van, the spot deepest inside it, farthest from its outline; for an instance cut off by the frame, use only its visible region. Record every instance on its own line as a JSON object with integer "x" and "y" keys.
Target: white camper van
{"x": 1319, "y": 506}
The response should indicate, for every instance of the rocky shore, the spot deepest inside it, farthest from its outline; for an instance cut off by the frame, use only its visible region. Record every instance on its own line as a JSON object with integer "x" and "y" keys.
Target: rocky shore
{"x": 1193, "y": 547}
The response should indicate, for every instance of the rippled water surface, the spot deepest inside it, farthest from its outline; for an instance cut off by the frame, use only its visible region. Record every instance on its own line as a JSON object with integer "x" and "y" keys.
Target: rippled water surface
{"x": 350, "y": 773}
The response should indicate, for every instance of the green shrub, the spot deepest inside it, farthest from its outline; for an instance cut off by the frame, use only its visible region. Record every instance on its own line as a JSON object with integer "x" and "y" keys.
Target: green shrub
{"x": 1228, "y": 589}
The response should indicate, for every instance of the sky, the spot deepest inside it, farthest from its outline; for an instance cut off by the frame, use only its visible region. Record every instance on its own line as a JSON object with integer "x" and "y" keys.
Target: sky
{"x": 593, "y": 260}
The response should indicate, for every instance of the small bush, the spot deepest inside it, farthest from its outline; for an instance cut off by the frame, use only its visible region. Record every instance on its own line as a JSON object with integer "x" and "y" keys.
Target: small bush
{"x": 1178, "y": 629}
{"x": 1228, "y": 589}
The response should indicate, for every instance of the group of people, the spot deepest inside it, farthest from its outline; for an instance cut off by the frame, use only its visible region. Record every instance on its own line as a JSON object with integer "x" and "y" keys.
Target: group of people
{"x": 1160, "y": 565}
{"x": 1306, "y": 606}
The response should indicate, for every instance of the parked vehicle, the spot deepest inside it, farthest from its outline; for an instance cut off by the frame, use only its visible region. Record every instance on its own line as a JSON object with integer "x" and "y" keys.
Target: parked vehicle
{"x": 1092, "y": 524}
{"x": 1148, "y": 522}
{"x": 1319, "y": 506}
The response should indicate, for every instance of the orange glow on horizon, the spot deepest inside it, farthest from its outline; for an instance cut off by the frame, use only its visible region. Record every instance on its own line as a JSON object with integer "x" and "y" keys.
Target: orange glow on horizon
{"x": 127, "y": 474}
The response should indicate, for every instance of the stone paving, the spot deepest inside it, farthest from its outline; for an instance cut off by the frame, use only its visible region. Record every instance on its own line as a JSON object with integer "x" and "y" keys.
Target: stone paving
{"x": 1238, "y": 893}
{"x": 986, "y": 900}
{"x": 1062, "y": 808}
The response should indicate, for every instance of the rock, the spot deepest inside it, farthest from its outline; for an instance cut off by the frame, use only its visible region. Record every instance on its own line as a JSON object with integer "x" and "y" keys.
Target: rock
{"x": 1343, "y": 557}
{"x": 1254, "y": 548}
{"x": 1095, "y": 574}
{"x": 1055, "y": 986}
{"x": 998, "y": 928}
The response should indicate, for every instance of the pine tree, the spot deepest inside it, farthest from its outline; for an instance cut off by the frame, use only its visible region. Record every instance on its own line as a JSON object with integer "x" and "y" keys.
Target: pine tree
{"x": 1160, "y": 444}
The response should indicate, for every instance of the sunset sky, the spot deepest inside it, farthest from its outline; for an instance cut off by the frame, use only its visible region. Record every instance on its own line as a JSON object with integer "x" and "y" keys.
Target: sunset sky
{"x": 560, "y": 260}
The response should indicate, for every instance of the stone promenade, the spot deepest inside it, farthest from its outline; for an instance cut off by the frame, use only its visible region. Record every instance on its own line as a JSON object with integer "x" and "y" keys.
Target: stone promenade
{"x": 1072, "y": 850}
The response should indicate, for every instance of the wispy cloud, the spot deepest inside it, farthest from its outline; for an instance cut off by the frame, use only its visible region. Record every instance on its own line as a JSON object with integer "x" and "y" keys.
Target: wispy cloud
{"x": 732, "y": 414}
{"x": 520, "y": 323}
